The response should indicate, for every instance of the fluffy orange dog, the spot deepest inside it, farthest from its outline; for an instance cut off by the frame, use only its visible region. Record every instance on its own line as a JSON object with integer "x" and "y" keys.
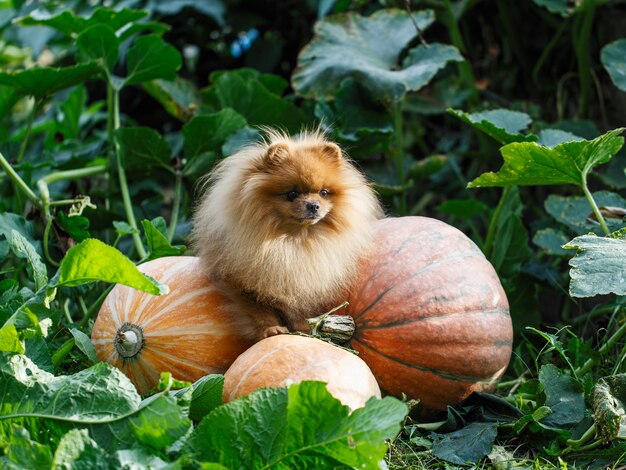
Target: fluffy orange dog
{"x": 282, "y": 228}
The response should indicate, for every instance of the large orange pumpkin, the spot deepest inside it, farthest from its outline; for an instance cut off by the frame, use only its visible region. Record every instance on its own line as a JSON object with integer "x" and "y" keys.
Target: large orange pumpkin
{"x": 188, "y": 332}
{"x": 281, "y": 360}
{"x": 432, "y": 319}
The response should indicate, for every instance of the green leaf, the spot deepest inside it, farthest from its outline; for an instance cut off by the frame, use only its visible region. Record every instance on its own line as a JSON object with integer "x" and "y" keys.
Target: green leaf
{"x": 527, "y": 163}
{"x": 355, "y": 111}
{"x": 613, "y": 57}
{"x": 157, "y": 424}
{"x": 502, "y": 125}
{"x": 562, "y": 7}
{"x": 24, "y": 249}
{"x": 72, "y": 110}
{"x": 150, "y": 57}
{"x": 180, "y": 97}
{"x": 302, "y": 427}
{"x": 99, "y": 43}
{"x": 598, "y": 267}
{"x": 510, "y": 242}
{"x": 214, "y": 9}
{"x": 69, "y": 24}
{"x": 245, "y": 92}
{"x": 207, "y": 396}
{"x": 77, "y": 450}
{"x": 240, "y": 139}
{"x": 462, "y": 208}
{"x": 576, "y": 213}
{"x": 551, "y": 241}
{"x": 10, "y": 222}
{"x": 22, "y": 452}
{"x": 75, "y": 226}
{"x": 608, "y": 400}
{"x": 123, "y": 228}
{"x": 83, "y": 342}
{"x": 158, "y": 245}
{"x": 204, "y": 136}
{"x": 349, "y": 45}
{"x": 92, "y": 260}
{"x": 553, "y": 137}
{"x": 41, "y": 82}
{"x": 564, "y": 396}
{"x": 467, "y": 445}
{"x": 10, "y": 340}
{"x": 143, "y": 148}
{"x": 99, "y": 393}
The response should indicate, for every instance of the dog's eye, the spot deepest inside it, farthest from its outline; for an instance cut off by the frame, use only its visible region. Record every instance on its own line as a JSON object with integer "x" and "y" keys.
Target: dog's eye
{"x": 291, "y": 195}
{"x": 324, "y": 192}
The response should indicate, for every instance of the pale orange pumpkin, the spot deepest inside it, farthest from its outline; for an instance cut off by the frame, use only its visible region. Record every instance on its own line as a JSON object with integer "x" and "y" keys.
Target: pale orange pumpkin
{"x": 280, "y": 361}
{"x": 188, "y": 332}
{"x": 432, "y": 319}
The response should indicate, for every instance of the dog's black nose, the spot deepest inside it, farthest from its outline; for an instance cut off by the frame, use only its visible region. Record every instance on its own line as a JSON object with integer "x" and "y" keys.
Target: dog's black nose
{"x": 313, "y": 207}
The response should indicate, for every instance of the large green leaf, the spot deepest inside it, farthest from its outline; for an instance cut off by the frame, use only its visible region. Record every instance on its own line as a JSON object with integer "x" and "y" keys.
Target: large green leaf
{"x": 93, "y": 260}
{"x": 503, "y": 125}
{"x": 466, "y": 445}
{"x": 527, "y": 163}
{"x": 143, "y": 148}
{"x": 255, "y": 97}
{"x": 69, "y": 23}
{"x": 351, "y": 45}
{"x": 101, "y": 399}
{"x": 150, "y": 57}
{"x": 564, "y": 396}
{"x": 97, "y": 394}
{"x": 302, "y": 427}
{"x": 43, "y": 81}
{"x": 99, "y": 43}
{"x": 180, "y": 97}
{"x": 213, "y": 8}
{"x": 608, "y": 400}
{"x": 598, "y": 267}
{"x": 613, "y": 57}
{"x": 561, "y": 7}
{"x": 204, "y": 137}
{"x": 24, "y": 249}
{"x": 576, "y": 213}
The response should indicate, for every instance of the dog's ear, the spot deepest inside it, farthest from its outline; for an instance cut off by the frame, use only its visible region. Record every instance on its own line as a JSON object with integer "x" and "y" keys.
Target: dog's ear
{"x": 277, "y": 152}
{"x": 331, "y": 151}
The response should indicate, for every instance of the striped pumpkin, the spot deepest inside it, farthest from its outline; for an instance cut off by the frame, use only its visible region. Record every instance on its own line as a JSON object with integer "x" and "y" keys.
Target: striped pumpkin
{"x": 432, "y": 319}
{"x": 187, "y": 332}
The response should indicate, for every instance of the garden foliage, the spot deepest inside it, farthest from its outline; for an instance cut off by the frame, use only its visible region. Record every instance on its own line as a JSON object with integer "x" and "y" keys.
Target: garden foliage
{"x": 504, "y": 119}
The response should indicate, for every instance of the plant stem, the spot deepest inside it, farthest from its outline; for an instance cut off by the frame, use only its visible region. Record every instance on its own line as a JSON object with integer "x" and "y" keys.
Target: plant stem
{"x": 594, "y": 207}
{"x": 46, "y": 237}
{"x": 114, "y": 113}
{"x": 612, "y": 341}
{"x": 29, "y": 128}
{"x": 581, "y": 38}
{"x": 74, "y": 174}
{"x": 178, "y": 192}
{"x": 493, "y": 224}
{"x": 95, "y": 307}
{"x": 465, "y": 70}
{"x": 547, "y": 50}
{"x": 19, "y": 182}
{"x": 399, "y": 153}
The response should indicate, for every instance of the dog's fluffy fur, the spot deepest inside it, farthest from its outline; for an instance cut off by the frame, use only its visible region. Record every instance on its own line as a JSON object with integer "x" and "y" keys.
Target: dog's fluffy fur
{"x": 282, "y": 227}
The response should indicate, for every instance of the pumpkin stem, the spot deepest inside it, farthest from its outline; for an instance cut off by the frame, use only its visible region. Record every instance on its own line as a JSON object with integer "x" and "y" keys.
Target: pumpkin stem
{"x": 129, "y": 340}
{"x": 336, "y": 328}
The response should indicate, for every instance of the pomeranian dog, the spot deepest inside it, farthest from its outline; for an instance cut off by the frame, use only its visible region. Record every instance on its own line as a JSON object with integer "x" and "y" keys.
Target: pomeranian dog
{"x": 282, "y": 227}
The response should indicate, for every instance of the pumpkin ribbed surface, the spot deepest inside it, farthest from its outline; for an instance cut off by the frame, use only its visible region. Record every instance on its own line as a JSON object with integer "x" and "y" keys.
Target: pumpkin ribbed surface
{"x": 188, "y": 332}
{"x": 432, "y": 319}
{"x": 282, "y": 360}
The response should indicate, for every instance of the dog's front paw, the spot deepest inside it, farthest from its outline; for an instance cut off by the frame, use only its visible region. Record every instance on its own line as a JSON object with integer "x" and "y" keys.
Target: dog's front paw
{"x": 273, "y": 331}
